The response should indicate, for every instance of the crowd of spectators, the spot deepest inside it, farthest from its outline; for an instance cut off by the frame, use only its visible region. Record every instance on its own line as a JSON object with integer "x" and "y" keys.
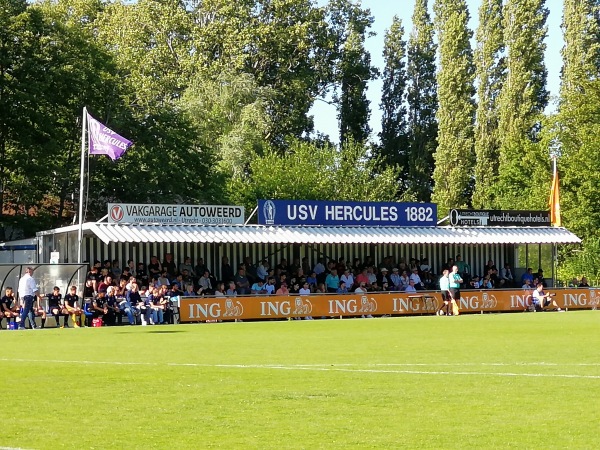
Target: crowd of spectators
{"x": 264, "y": 277}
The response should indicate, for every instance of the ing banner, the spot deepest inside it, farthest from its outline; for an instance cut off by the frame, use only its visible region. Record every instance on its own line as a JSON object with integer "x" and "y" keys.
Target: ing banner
{"x": 201, "y": 309}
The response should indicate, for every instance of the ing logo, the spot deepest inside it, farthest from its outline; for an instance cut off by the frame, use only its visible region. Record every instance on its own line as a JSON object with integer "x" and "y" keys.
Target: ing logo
{"x": 233, "y": 309}
{"x": 366, "y": 305}
{"x": 302, "y": 306}
{"x": 489, "y": 301}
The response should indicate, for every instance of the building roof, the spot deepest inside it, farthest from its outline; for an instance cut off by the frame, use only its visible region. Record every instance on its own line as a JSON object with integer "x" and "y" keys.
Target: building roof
{"x": 257, "y": 234}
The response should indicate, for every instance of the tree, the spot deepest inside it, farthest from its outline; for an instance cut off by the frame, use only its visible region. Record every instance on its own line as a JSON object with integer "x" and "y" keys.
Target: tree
{"x": 393, "y": 142}
{"x": 454, "y": 154}
{"x": 311, "y": 172}
{"x": 490, "y": 74}
{"x": 354, "y": 71}
{"x": 575, "y": 126}
{"x": 523, "y": 164}
{"x": 353, "y": 105}
{"x": 422, "y": 102}
{"x": 46, "y": 80}
{"x": 286, "y": 45}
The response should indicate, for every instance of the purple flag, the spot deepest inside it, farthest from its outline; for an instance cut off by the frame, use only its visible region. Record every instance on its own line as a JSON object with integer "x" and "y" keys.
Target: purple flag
{"x": 104, "y": 141}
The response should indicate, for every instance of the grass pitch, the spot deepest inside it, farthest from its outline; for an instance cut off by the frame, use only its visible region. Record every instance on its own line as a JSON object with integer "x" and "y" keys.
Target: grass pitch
{"x": 478, "y": 381}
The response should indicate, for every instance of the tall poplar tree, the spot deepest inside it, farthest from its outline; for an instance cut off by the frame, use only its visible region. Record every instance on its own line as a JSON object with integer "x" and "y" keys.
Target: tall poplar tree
{"x": 392, "y": 148}
{"x": 524, "y": 164}
{"x": 490, "y": 73}
{"x": 422, "y": 103}
{"x": 456, "y": 113}
{"x": 353, "y": 105}
{"x": 577, "y": 125}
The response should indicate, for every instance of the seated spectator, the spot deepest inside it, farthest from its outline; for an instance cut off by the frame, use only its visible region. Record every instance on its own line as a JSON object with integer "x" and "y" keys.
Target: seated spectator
{"x": 258, "y": 288}
{"x": 262, "y": 271}
{"x": 411, "y": 289}
{"x": 475, "y": 282}
{"x": 99, "y": 305}
{"x": 305, "y": 289}
{"x": 584, "y": 282}
{"x": 363, "y": 277}
{"x": 527, "y": 285}
{"x": 8, "y": 306}
{"x": 428, "y": 280}
{"x": 163, "y": 279}
{"x": 332, "y": 281}
{"x": 115, "y": 269}
{"x": 541, "y": 300}
{"x": 295, "y": 289}
{"x": 396, "y": 279}
{"x": 283, "y": 290}
{"x": 527, "y": 275}
{"x": 321, "y": 289}
{"x": 72, "y": 307}
{"x": 38, "y": 311}
{"x": 342, "y": 289}
{"x": 540, "y": 276}
{"x": 220, "y": 290}
{"x": 112, "y": 307}
{"x": 486, "y": 283}
{"x": 157, "y": 305}
{"x": 187, "y": 265}
{"x": 241, "y": 282}
{"x": 371, "y": 274}
{"x": 414, "y": 276}
{"x": 270, "y": 286}
{"x": 506, "y": 278}
{"x": 362, "y": 288}
{"x": 55, "y": 306}
{"x": 231, "y": 290}
{"x": 404, "y": 280}
{"x": 347, "y": 278}
{"x": 383, "y": 276}
{"x": 189, "y": 291}
{"x": 311, "y": 279}
{"x": 205, "y": 283}
{"x": 105, "y": 283}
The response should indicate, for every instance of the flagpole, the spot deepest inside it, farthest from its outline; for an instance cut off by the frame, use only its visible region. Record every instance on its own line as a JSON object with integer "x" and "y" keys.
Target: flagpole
{"x": 81, "y": 185}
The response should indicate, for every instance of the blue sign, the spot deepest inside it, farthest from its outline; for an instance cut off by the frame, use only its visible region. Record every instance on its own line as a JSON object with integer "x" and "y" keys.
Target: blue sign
{"x": 310, "y": 212}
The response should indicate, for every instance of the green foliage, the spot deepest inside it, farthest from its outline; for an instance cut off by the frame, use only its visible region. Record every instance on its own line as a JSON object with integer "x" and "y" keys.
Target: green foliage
{"x": 581, "y": 261}
{"x": 490, "y": 74}
{"x": 311, "y": 172}
{"x": 422, "y": 105}
{"x": 353, "y": 70}
{"x": 521, "y": 104}
{"x": 454, "y": 156}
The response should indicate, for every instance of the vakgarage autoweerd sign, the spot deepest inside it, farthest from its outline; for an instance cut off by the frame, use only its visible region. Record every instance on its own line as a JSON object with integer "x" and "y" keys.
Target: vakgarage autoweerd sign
{"x": 175, "y": 214}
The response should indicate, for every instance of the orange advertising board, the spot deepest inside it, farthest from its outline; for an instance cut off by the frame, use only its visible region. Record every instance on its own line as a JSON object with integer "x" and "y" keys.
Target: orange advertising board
{"x": 200, "y": 309}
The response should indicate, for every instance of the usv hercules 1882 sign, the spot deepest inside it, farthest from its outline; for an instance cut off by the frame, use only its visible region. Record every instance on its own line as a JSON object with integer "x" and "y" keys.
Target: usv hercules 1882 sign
{"x": 491, "y": 218}
{"x": 308, "y": 212}
{"x": 175, "y": 214}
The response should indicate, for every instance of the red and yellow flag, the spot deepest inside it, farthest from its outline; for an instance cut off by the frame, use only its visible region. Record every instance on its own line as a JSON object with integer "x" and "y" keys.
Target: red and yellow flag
{"x": 555, "y": 201}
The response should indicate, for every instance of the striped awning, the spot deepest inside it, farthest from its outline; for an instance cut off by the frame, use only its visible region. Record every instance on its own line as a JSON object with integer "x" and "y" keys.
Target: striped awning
{"x": 257, "y": 234}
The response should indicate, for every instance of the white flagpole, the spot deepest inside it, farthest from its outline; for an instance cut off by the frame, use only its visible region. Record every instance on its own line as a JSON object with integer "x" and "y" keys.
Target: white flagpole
{"x": 81, "y": 176}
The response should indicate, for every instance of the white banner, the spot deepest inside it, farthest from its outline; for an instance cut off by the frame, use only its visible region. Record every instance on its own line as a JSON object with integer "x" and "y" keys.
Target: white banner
{"x": 175, "y": 214}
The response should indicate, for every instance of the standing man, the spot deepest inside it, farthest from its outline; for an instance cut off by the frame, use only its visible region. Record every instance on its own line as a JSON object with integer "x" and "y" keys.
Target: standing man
{"x": 455, "y": 280}
{"x": 28, "y": 292}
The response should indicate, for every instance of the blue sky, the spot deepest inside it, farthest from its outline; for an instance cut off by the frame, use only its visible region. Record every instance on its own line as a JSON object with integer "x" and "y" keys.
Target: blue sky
{"x": 383, "y": 12}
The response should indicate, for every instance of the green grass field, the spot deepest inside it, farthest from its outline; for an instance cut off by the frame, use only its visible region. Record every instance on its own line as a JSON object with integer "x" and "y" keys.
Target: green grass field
{"x": 479, "y": 381}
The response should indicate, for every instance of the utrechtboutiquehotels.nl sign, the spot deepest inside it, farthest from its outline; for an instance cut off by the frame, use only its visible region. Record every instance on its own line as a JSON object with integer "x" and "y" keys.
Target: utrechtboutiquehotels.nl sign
{"x": 175, "y": 214}
{"x": 494, "y": 218}
{"x": 335, "y": 213}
